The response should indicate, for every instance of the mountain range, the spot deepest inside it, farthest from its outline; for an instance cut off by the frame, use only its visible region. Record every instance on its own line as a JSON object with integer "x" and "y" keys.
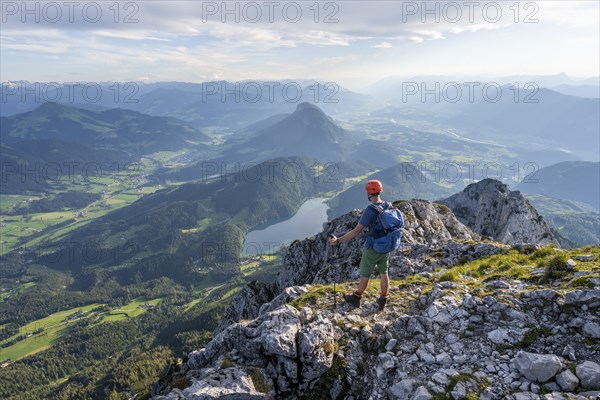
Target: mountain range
{"x": 547, "y": 119}
{"x": 228, "y": 105}
{"x": 117, "y": 128}
{"x": 577, "y": 181}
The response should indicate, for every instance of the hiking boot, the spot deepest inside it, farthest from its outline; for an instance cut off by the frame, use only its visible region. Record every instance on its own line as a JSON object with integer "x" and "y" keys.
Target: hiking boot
{"x": 381, "y": 303}
{"x": 352, "y": 299}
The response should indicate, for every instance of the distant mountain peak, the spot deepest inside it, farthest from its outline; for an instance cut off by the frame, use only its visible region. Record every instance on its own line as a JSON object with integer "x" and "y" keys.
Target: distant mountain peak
{"x": 51, "y": 106}
{"x": 308, "y": 131}
{"x": 308, "y": 106}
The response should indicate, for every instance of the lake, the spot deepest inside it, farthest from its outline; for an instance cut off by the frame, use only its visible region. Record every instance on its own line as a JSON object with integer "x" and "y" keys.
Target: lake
{"x": 307, "y": 221}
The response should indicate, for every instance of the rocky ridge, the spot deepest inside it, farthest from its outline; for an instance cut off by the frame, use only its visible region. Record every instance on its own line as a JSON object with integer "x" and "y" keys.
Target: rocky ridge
{"x": 489, "y": 208}
{"x": 466, "y": 319}
{"x": 441, "y": 340}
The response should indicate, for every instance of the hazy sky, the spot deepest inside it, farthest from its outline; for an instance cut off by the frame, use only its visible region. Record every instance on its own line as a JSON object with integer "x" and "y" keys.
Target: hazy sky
{"x": 352, "y": 43}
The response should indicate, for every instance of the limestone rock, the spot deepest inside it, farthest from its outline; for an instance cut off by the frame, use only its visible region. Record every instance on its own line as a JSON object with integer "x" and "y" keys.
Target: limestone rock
{"x": 588, "y": 373}
{"x": 537, "y": 367}
{"x": 246, "y": 304}
{"x": 422, "y": 394}
{"x": 591, "y": 329}
{"x": 316, "y": 346}
{"x": 228, "y": 383}
{"x": 402, "y": 390}
{"x": 500, "y": 336}
{"x": 489, "y": 208}
{"x": 567, "y": 380}
{"x": 578, "y": 297}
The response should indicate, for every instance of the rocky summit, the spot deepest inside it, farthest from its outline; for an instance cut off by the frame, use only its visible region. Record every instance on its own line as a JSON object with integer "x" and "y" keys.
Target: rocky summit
{"x": 467, "y": 318}
{"x": 491, "y": 209}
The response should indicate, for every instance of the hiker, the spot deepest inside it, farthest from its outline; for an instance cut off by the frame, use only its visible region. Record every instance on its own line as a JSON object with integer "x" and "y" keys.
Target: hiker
{"x": 372, "y": 259}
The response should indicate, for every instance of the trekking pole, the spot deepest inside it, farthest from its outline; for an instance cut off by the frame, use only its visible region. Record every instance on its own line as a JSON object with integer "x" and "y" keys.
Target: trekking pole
{"x": 334, "y": 291}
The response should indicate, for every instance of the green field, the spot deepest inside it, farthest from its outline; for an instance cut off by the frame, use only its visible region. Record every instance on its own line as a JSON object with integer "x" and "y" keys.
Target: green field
{"x": 41, "y": 334}
{"x": 130, "y": 310}
{"x": 202, "y": 295}
{"x": 19, "y": 288}
{"x": 48, "y": 329}
{"x": 9, "y": 200}
{"x": 254, "y": 263}
{"x": 31, "y": 229}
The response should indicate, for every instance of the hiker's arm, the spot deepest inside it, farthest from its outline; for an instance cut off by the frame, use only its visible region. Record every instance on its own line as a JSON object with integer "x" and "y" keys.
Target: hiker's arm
{"x": 349, "y": 235}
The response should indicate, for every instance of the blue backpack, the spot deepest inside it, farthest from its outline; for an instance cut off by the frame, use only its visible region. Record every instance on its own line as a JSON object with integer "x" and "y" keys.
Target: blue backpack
{"x": 386, "y": 232}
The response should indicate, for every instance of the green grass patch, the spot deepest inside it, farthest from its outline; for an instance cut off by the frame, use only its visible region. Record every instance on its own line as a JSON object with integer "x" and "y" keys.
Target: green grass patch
{"x": 556, "y": 267}
{"x": 411, "y": 280}
{"x": 230, "y": 292}
{"x": 227, "y": 363}
{"x": 115, "y": 316}
{"x": 133, "y": 309}
{"x": 17, "y": 289}
{"x": 473, "y": 385}
{"x": 451, "y": 275}
{"x": 532, "y": 336}
{"x": 258, "y": 380}
{"x": 520, "y": 265}
{"x": 26, "y": 347}
{"x": 203, "y": 293}
{"x": 28, "y": 230}
{"x": 254, "y": 264}
{"x": 8, "y": 201}
{"x": 314, "y": 295}
{"x": 40, "y": 334}
{"x": 584, "y": 281}
{"x": 250, "y": 268}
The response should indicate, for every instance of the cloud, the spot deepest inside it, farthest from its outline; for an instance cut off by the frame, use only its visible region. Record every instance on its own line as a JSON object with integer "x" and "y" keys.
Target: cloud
{"x": 475, "y": 28}
{"x": 174, "y": 40}
{"x": 35, "y": 48}
{"x": 383, "y": 45}
{"x": 128, "y": 36}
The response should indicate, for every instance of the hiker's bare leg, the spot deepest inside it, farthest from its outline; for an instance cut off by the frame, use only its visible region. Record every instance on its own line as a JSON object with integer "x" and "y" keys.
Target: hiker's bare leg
{"x": 385, "y": 283}
{"x": 362, "y": 286}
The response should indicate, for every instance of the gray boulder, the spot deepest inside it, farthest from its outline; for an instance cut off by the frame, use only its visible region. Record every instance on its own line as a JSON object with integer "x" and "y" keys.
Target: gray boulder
{"x": 591, "y": 329}
{"x": 578, "y": 297}
{"x": 401, "y": 390}
{"x": 316, "y": 349}
{"x": 500, "y": 336}
{"x": 459, "y": 392}
{"x": 430, "y": 223}
{"x": 422, "y": 394}
{"x": 289, "y": 294}
{"x": 537, "y": 367}
{"x": 567, "y": 380}
{"x": 588, "y": 373}
{"x": 246, "y": 304}
{"x": 279, "y": 332}
{"x": 230, "y": 383}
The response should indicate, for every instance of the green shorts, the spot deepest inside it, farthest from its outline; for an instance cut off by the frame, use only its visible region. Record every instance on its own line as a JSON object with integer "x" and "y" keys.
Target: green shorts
{"x": 370, "y": 260}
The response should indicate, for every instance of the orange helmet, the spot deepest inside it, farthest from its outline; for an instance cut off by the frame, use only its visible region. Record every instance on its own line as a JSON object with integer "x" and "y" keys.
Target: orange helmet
{"x": 374, "y": 187}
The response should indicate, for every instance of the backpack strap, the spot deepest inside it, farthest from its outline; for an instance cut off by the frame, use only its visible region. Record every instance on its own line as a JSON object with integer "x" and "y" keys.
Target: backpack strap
{"x": 379, "y": 209}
